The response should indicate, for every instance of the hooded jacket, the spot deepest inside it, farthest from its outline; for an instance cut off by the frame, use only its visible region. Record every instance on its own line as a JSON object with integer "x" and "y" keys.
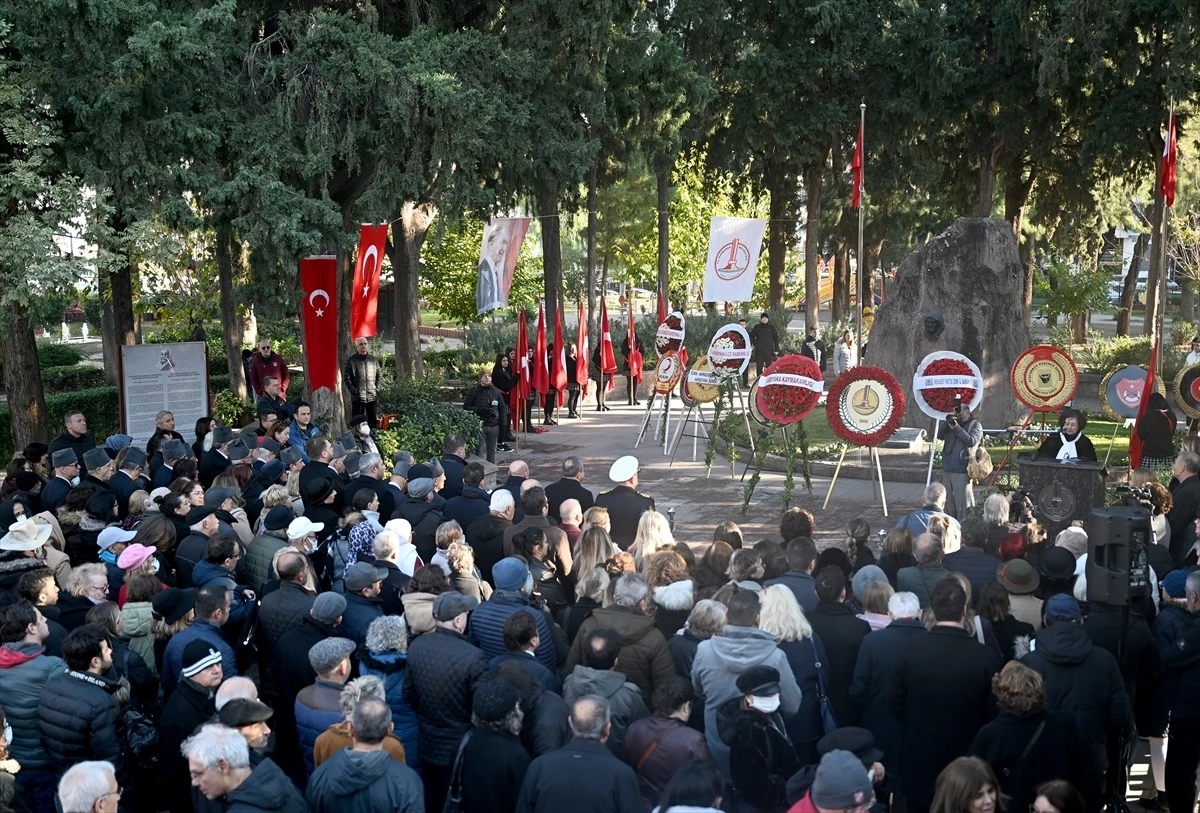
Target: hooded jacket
{"x": 390, "y": 668}
{"x": 138, "y": 618}
{"x": 24, "y": 671}
{"x": 672, "y": 605}
{"x": 266, "y": 789}
{"x": 720, "y": 661}
{"x": 1084, "y": 679}
{"x": 644, "y": 657}
{"x": 364, "y": 782}
{"x": 623, "y": 696}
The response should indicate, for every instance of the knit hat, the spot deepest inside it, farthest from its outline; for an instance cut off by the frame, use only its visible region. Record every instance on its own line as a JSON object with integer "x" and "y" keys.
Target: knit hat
{"x": 242, "y": 712}
{"x": 172, "y": 604}
{"x": 493, "y": 700}
{"x": 325, "y": 655}
{"x": 420, "y": 488}
{"x": 858, "y": 741}
{"x": 866, "y": 575}
{"x": 419, "y": 471}
{"x": 510, "y": 574}
{"x": 1061, "y": 607}
{"x": 199, "y": 655}
{"x": 95, "y": 458}
{"x": 63, "y": 457}
{"x": 841, "y": 782}
{"x": 1175, "y": 583}
{"x": 278, "y": 518}
{"x": 135, "y": 556}
{"x": 328, "y": 607}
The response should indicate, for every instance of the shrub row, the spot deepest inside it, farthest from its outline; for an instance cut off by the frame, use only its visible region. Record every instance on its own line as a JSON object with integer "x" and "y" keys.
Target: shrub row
{"x": 100, "y": 404}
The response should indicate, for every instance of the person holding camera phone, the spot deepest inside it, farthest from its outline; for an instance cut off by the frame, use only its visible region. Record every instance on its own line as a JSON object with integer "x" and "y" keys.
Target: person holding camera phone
{"x": 961, "y": 434}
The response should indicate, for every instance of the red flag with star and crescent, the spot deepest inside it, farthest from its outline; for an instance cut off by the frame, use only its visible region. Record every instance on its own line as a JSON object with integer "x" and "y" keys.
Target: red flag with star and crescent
{"x": 1167, "y": 180}
{"x": 541, "y": 371}
{"x": 582, "y": 355}
{"x": 520, "y": 391}
{"x": 365, "y": 305}
{"x": 608, "y": 358}
{"x": 318, "y": 282}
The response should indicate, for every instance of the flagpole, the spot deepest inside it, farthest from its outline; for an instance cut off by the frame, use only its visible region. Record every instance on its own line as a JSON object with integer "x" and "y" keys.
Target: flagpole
{"x": 862, "y": 204}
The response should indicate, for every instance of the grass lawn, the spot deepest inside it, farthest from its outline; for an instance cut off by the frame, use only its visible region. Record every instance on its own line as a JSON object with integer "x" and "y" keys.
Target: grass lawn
{"x": 1100, "y": 432}
{"x": 816, "y": 428}
{"x": 430, "y": 318}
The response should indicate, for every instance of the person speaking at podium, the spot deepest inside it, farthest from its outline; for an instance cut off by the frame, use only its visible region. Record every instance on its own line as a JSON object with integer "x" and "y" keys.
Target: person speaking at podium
{"x": 1068, "y": 444}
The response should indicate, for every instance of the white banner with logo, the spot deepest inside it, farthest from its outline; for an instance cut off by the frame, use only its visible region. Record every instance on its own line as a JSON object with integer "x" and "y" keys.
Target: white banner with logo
{"x": 734, "y": 244}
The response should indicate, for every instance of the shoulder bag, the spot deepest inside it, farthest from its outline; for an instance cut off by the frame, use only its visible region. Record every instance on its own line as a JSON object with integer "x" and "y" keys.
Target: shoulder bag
{"x": 829, "y": 722}
{"x": 454, "y": 793}
{"x": 1007, "y": 769}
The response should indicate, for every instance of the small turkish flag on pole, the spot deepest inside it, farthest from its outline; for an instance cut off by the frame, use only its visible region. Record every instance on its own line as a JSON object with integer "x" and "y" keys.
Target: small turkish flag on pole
{"x": 520, "y": 391}
{"x": 635, "y": 357}
{"x": 856, "y": 193}
{"x": 365, "y": 303}
{"x": 608, "y": 358}
{"x": 1169, "y": 173}
{"x": 541, "y": 374}
{"x": 558, "y": 364}
{"x": 581, "y": 352}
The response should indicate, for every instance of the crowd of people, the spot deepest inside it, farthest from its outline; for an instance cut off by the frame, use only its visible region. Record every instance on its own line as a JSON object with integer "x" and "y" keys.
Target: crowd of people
{"x": 253, "y": 625}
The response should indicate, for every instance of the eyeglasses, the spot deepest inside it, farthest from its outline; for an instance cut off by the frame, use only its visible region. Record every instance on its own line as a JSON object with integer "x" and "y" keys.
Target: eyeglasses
{"x": 100, "y": 587}
{"x": 118, "y": 793}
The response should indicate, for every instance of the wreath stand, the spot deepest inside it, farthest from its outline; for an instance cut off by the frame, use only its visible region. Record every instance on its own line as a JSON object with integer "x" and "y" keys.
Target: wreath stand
{"x": 741, "y": 396}
{"x": 932, "y": 448}
{"x": 663, "y": 421}
{"x": 682, "y": 432}
{"x": 874, "y": 456}
{"x": 646, "y": 418}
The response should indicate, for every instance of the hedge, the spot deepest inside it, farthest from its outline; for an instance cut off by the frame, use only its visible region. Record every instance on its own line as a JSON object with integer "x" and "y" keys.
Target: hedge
{"x": 101, "y": 405}
{"x": 421, "y": 429}
{"x": 71, "y": 379}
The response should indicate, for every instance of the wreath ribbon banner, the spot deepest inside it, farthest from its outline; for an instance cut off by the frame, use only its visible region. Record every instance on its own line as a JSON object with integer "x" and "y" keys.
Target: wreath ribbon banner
{"x": 695, "y": 376}
{"x": 934, "y": 381}
{"x": 729, "y": 353}
{"x": 790, "y": 380}
{"x": 669, "y": 332}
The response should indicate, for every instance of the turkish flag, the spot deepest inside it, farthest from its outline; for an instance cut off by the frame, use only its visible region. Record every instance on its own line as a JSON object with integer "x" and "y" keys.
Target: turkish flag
{"x": 608, "y": 359}
{"x": 662, "y": 308}
{"x": 635, "y": 356}
{"x": 365, "y": 304}
{"x": 558, "y": 364}
{"x": 856, "y": 193}
{"x": 541, "y": 373}
{"x": 520, "y": 391}
{"x": 1135, "y": 441}
{"x": 582, "y": 355}
{"x": 1166, "y": 182}
{"x": 318, "y": 282}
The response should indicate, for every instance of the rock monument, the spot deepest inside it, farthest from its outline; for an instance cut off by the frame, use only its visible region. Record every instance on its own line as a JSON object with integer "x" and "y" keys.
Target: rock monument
{"x": 971, "y": 274}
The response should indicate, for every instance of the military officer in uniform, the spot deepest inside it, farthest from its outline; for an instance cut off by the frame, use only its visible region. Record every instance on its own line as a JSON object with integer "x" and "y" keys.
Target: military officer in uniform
{"x": 624, "y": 502}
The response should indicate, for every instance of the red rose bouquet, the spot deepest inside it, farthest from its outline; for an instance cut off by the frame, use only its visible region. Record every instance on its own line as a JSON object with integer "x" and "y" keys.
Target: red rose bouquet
{"x": 789, "y": 389}
{"x": 943, "y": 399}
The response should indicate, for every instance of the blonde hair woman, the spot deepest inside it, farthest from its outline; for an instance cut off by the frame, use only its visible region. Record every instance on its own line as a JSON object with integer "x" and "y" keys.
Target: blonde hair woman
{"x": 780, "y": 615}
{"x": 596, "y": 516}
{"x": 591, "y": 550}
{"x": 653, "y": 535}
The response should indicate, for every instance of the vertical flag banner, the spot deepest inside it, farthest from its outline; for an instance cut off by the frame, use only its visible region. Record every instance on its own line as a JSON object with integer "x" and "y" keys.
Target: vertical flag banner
{"x": 502, "y": 239}
{"x": 558, "y": 365}
{"x": 520, "y": 391}
{"x": 1167, "y": 181}
{"x": 1135, "y": 442}
{"x": 635, "y": 357}
{"x": 856, "y": 193}
{"x": 318, "y": 282}
{"x": 364, "y": 306}
{"x": 582, "y": 355}
{"x": 734, "y": 244}
{"x": 662, "y": 308}
{"x": 608, "y": 359}
{"x": 541, "y": 374}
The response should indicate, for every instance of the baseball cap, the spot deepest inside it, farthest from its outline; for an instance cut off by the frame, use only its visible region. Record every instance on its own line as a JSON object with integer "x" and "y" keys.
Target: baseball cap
{"x": 113, "y": 535}
{"x": 301, "y": 527}
{"x": 361, "y": 575}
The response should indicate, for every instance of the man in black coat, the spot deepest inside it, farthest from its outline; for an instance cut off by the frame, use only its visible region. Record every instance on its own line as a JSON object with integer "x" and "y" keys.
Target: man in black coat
{"x": 815, "y": 349}
{"x": 454, "y": 460}
{"x": 842, "y": 632}
{"x": 1083, "y": 679}
{"x": 74, "y": 437}
{"x": 66, "y": 468}
{"x": 444, "y": 670}
{"x": 422, "y": 516}
{"x": 518, "y": 472}
{"x": 570, "y": 487}
{"x": 190, "y": 706}
{"x": 322, "y": 457}
{"x": 940, "y": 693}
{"x": 765, "y": 339}
{"x": 971, "y": 559}
{"x": 494, "y": 758}
{"x": 1177, "y": 633}
{"x": 624, "y": 502}
{"x": 127, "y": 479}
{"x": 801, "y": 554}
{"x": 873, "y": 673}
{"x": 1185, "y": 500}
{"x": 486, "y": 534}
{"x": 488, "y": 404}
{"x": 583, "y": 776}
{"x": 363, "y": 377}
{"x": 216, "y": 460}
{"x": 370, "y": 477}
{"x": 473, "y": 502}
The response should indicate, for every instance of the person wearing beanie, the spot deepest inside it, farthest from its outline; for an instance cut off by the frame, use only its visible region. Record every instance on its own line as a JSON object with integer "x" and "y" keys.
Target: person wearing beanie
{"x": 319, "y": 706}
{"x": 761, "y": 757}
{"x": 262, "y": 549}
{"x": 764, "y": 337}
{"x": 1082, "y": 679}
{"x": 421, "y": 513}
{"x": 514, "y": 590}
{"x": 189, "y": 706}
{"x": 841, "y": 783}
{"x": 494, "y": 761}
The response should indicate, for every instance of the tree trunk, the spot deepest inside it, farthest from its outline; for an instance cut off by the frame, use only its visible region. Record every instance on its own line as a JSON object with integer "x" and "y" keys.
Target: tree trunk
{"x": 592, "y": 218}
{"x": 1154, "y": 275}
{"x": 23, "y": 382}
{"x": 404, "y": 250}
{"x": 777, "y": 234}
{"x": 117, "y": 323}
{"x": 1017, "y": 190}
{"x": 813, "y": 175}
{"x": 1128, "y": 289}
{"x": 989, "y": 156}
{"x": 1187, "y": 299}
{"x": 664, "y": 242}
{"x": 231, "y": 321}
{"x": 551, "y": 252}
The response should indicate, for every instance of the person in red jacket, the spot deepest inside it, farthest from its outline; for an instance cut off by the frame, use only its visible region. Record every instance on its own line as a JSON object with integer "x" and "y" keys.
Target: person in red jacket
{"x": 266, "y": 362}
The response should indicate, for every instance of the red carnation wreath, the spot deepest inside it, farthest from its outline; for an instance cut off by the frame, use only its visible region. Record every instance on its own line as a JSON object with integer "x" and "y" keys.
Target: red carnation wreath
{"x": 729, "y": 350}
{"x": 833, "y": 406}
{"x": 936, "y": 401}
{"x": 789, "y": 389}
{"x": 670, "y": 334}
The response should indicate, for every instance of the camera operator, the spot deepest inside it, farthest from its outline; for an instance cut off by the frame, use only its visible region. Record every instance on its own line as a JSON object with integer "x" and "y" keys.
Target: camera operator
{"x": 1069, "y": 443}
{"x": 961, "y": 434}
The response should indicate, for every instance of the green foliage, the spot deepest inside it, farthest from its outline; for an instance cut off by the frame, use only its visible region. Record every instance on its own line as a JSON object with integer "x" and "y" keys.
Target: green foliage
{"x": 53, "y": 354}
{"x": 1182, "y": 333}
{"x": 229, "y": 410}
{"x": 100, "y": 404}
{"x": 1076, "y": 288}
{"x": 408, "y": 393}
{"x": 421, "y": 429}
{"x": 1106, "y": 355}
{"x": 69, "y": 379}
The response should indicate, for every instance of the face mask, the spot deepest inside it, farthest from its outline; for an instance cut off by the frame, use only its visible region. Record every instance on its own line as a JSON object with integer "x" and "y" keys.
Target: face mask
{"x": 8, "y": 733}
{"x": 767, "y": 705}
{"x": 155, "y": 565}
{"x": 364, "y": 430}
{"x": 75, "y": 480}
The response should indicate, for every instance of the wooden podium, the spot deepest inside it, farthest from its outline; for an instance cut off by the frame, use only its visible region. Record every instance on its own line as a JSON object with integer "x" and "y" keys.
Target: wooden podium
{"x": 1062, "y": 492}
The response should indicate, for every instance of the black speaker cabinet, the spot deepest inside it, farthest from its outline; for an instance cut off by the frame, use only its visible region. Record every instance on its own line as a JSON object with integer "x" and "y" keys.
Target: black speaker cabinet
{"x": 1117, "y": 566}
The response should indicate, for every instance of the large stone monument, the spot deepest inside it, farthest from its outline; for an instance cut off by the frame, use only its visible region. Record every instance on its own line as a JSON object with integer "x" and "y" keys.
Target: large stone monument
{"x": 970, "y": 276}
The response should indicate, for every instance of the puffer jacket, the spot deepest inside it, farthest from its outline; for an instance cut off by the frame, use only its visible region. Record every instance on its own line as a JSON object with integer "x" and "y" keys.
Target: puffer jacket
{"x": 24, "y": 672}
{"x": 317, "y": 708}
{"x": 279, "y": 611}
{"x": 672, "y": 605}
{"x": 644, "y": 658}
{"x": 624, "y": 697}
{"x": 1083, "y": 679}
{"x": 718, "y": 663}
{"x": 266, "y": 790}
{"x": 674, "y": 744}
{"x": 78, "y": 718}
{"x": 487, "y": 626}
{"x": 259, "y": 556}
{"x": 389, "y": 667}
{"x": 364, "y": 782}
{"x": 138, "y": 616}
{"x": 443, "y": 671}
{"x": 361, "y": 375}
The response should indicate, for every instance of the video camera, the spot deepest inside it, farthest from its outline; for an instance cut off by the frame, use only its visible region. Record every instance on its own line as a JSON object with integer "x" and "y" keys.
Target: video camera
{"x": 952, "y": 417}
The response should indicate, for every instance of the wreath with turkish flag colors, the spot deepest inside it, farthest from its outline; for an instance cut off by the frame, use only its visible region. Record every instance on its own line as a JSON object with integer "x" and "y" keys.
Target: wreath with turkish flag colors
{"x": 942, "y": 379}
{"x": 872, "y": 400}
{"x": 789, "y": 389}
